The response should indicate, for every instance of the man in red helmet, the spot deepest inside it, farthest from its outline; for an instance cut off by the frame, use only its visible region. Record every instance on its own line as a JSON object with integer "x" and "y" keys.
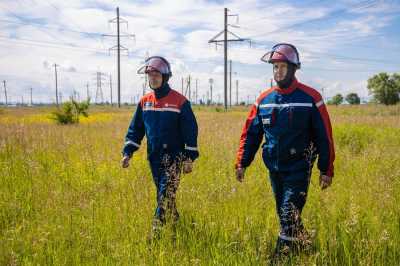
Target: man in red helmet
{"x": 166, "y": 118}
{"x": 296, "y": 125}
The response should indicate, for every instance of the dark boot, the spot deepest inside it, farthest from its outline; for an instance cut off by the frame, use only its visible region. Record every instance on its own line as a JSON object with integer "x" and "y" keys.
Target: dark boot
{"x": 285, "y": 247}
{"x": 156, "y": 228}
{"x": 282, "y": 248}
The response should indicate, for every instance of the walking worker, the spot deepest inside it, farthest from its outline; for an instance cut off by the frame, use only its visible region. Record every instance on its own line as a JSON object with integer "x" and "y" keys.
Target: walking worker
{"x": 296, "y": 125}
{"x": 166, "y": 118}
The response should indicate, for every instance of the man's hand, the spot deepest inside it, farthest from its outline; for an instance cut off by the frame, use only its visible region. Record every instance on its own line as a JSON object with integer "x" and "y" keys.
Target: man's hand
{"x": 125, "y": 161}
{"x": 240, "y": 174}
{"x": 187, "y": 166}
{"x": 325, "y": 181}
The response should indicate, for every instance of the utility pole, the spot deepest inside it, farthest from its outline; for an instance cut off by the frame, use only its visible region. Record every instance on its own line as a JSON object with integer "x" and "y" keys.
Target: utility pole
{"x": 196, "y": 91}
{"x": 31, "y": 97}
{"x": 188, "y": 88}
{"x": 55, "y": 72}
{"x": 5, "y": 91}
{"x": 211, "y": 89}
{"x": 225, "y": 56}
{"x": 75, "y": 96}
{"x": 99, "y": 90}
{"x": 230, "y": 83}
{"x": 111, "y": 100}
{"x": 87, "y": 92}
{"x": 237, "y": 92}
{"x": 236, "y": 38}
{"x": 145, "y": 76}
{"x": 119, "y": 47}
{"x": 118, "y": 60}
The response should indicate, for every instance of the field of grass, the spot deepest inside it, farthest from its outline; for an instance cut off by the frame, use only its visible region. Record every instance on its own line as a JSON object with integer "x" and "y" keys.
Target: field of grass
{"x": 64, "y": 199}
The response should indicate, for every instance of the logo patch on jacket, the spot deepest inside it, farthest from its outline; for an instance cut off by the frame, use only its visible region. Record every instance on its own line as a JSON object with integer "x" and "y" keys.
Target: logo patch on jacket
{"x": 148, "y": 104}
{"x": 266, "y": 121}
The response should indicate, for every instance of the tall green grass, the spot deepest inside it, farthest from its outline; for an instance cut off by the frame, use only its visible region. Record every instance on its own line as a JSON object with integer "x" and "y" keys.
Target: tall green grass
{"x": 65, "y": 200}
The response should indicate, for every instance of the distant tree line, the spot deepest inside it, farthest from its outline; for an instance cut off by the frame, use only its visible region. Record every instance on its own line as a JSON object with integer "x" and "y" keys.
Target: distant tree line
{"x": 384, "y": 88}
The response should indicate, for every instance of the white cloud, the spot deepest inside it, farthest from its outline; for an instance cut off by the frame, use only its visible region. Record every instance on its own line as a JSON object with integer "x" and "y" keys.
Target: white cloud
{"x": 218, "y": 70}
{"x": 180, "y": 30}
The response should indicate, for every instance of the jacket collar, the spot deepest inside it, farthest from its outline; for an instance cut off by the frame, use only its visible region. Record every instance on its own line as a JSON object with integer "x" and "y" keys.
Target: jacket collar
{"x": 288, "y": 90}
{"x": 162, "y": 91}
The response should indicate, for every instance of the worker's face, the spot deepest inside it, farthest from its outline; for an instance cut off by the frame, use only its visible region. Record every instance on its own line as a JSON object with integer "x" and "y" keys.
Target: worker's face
{"x": 155, "y": 79}
{"x": 280, "y": 70}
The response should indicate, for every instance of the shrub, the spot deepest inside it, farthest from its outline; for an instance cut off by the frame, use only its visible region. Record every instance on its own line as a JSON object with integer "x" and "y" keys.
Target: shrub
{"x": 70, "y": 112}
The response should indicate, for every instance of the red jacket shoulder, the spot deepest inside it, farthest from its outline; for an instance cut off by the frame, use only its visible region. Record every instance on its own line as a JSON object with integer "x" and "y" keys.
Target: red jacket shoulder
{"x": 264, "y": 94}
{"x": 310, "y": 91}
{"x": 176, "y": 97}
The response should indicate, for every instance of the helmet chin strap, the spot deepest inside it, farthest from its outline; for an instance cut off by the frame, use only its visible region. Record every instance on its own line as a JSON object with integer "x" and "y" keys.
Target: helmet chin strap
{"x": 285, "y": 83}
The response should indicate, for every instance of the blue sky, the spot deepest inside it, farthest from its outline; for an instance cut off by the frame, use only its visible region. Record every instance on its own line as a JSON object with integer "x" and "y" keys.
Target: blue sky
{"x": 341, "y": 43}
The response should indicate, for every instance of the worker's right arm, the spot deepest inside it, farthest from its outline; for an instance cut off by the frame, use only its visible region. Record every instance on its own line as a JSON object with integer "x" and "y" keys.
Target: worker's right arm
{"x": 135, "y": 133}
{"x": 250, "y": 141}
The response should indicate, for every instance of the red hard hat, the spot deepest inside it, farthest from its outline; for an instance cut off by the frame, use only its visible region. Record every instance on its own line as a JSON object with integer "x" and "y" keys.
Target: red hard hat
{"x": 283, "y": 52}
{"x": 156, "y": 63}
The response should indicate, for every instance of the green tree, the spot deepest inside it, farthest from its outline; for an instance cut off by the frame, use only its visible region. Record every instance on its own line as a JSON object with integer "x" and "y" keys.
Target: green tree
{"x": 396, "y": 78}
{"x": 385, "y": 88}
{"x": 336, "y": 100}
{"x": 352, "y": 98}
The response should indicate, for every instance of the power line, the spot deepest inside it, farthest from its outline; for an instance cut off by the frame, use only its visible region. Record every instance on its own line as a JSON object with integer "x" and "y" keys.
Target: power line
{"x": 61, "y": 29}
{"x": 94, "y": 49}
{"x": 73, "y": 47}
{"x": 254, "y": 20}
{"x": 96, "y": 34}
{"x": 330, "y": 55}
{"x": 343, "y": 70}
{"x": 198, "y": 61}
{"x": 51, "y": 44}
{"x": 334, "y": 14}
{"x": 77, "y": 48}
{"x": 34, "y": 25}
{"x": 59, "y": 11}
{"x": 39, "y": 26}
